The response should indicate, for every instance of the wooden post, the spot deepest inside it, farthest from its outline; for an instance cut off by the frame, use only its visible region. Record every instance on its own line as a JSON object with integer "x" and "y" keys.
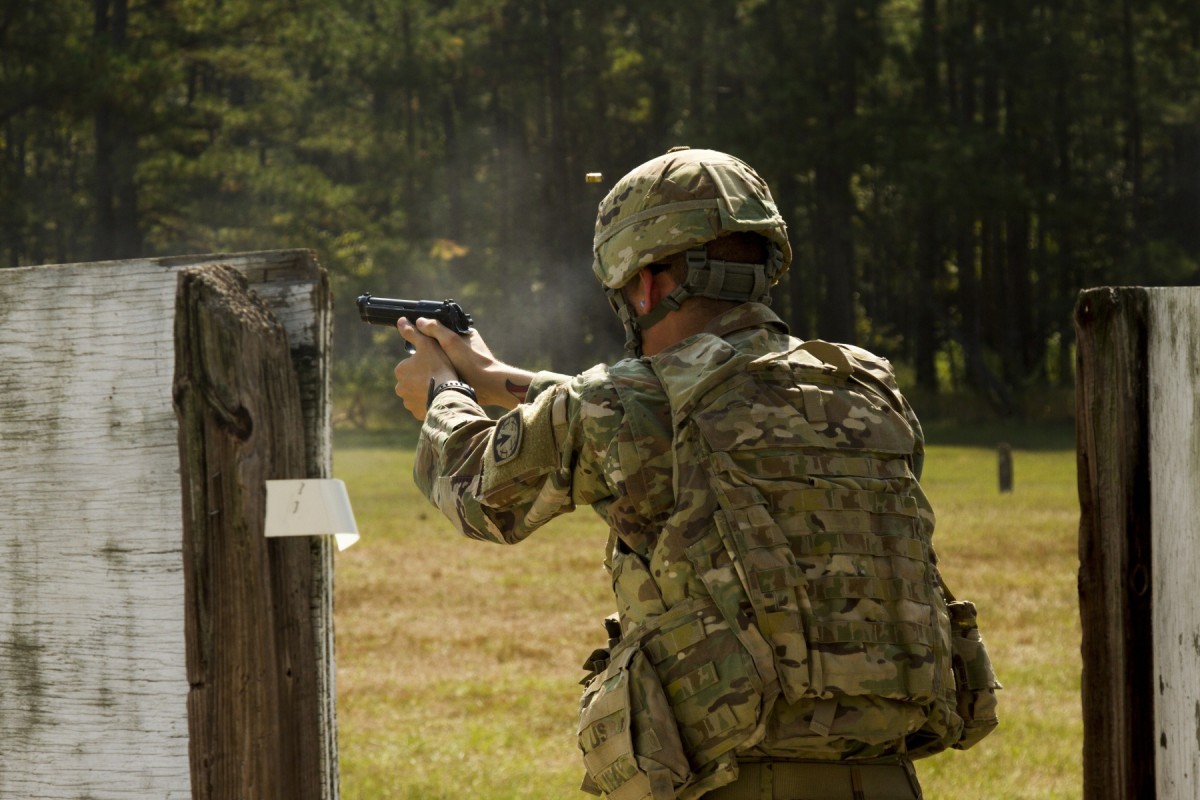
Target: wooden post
{"x": 253, "y": 708}
{"x": 1005, "y": 466}
{"x": 1138, "y": 445}
{"x": 1114, "y": 539}
{"x": 93, "y": 666}
{"x": 1174, "y": 367}
{"x": 296, "y": 289}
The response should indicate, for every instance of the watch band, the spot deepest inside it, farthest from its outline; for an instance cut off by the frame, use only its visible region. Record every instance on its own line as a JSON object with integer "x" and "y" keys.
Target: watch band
{"x": 452, "y": 386}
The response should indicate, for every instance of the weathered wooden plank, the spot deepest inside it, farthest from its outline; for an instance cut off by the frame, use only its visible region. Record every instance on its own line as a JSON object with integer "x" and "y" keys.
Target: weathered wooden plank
{"x": 252, "y": 709}
{"x": 1174, "y": 369}
{"x": 91, "y": 645}
{"x": 93, "y": 684}
{"x": 1115, "y": 569}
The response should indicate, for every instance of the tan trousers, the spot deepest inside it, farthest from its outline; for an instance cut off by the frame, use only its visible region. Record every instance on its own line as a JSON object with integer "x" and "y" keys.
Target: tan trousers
{"x": 821, "y": 780}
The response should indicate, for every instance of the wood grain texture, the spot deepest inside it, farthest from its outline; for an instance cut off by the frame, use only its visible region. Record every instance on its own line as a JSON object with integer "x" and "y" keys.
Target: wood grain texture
{"x": 1174, "y": 368}
{"x": 93, "y": 684}
{"x": 252, "y": 713}
{"x": 1115, "y": 569}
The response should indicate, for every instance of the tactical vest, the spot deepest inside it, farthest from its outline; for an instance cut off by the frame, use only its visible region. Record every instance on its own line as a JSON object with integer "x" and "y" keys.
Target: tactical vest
{"x": 792, "y": 602}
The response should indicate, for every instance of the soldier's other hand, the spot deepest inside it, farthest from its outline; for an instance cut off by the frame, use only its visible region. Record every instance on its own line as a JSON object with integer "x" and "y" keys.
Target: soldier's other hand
{"x": 469, "y": 354}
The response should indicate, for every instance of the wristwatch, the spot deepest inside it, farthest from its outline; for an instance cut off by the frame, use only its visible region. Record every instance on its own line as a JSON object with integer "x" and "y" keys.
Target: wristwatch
{"x": 451, "y": 386}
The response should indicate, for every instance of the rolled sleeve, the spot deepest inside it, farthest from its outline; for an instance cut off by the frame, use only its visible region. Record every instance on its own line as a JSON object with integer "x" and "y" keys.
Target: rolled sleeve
{"x": 500, "y": 480}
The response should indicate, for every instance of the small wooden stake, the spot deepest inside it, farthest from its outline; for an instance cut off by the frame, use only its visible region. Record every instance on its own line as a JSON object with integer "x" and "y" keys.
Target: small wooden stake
{"x": 1004, "y": 456}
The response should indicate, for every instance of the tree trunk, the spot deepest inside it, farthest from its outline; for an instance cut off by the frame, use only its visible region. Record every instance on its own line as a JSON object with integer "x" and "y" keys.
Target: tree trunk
{"x": 117, "y": 233}
{"x": 928, "y": 245}
{"x": 1133, "y": 120}
{"x": 1022, "y": 349}
{"x": 834, "y": 214}
{"x": 560, "y": 278}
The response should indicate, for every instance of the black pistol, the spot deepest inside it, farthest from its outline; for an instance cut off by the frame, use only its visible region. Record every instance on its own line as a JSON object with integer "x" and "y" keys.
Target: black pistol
{"x": 386, "y": 311}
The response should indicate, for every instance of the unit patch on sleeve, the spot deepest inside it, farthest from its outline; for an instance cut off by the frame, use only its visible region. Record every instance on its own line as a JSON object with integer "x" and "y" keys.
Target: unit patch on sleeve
{"x": 506, "y": 441}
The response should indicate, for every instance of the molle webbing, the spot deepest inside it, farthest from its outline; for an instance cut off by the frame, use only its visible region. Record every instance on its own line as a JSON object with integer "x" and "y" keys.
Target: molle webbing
{"x": 819, "y": 499}
{"x": 839, "y": 578}
{"x": 790, "y": 464}
{"x": 809, "y": 462}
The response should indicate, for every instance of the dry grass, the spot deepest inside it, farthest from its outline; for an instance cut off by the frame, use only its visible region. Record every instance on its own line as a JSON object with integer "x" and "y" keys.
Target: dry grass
{"x": 1016, "y": 556}
{"x": 458, "y": 660}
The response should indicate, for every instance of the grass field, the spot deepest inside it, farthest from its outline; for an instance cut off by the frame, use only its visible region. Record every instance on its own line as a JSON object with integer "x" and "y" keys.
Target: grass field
{"x": 458, "y": 661}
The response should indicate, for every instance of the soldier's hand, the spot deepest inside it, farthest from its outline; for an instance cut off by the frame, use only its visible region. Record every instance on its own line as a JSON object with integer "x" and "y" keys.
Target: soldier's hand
{"x": 427, "y": 363}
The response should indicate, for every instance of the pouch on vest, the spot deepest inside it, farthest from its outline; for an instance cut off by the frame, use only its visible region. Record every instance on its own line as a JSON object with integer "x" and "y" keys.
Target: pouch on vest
{"x": 691, "y": 694}
{"x": 975, "y": 680}
{"x": 770, "y": 578}
{"x": 631, "y": 746}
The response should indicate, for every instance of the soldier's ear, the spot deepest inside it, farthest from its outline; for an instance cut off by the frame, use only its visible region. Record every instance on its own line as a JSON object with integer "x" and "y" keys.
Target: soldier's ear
{"x": 657, "y": 283}
{"x": 649, "y": 298}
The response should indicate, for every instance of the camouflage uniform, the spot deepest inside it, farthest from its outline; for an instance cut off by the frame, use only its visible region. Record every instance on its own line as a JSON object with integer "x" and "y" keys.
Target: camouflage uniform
{"x": 771, "y": 549}
{"x": 605, "y": 439}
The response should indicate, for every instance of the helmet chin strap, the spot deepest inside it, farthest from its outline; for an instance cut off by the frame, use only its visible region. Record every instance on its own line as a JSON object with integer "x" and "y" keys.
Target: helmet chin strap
{"x": 629, "y": 321}
{"x": 720, "y": 280}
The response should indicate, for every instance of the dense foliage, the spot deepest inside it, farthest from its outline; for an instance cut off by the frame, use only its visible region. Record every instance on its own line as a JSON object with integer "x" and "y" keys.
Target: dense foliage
{"x": 953, "y": 171}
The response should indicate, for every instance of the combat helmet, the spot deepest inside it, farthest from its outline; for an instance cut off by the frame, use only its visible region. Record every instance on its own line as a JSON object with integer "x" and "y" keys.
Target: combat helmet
{"x": 677, "y": 203}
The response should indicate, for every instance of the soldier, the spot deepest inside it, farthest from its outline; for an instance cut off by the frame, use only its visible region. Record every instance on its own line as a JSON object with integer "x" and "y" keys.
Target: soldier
{"x": 781, "y": 627}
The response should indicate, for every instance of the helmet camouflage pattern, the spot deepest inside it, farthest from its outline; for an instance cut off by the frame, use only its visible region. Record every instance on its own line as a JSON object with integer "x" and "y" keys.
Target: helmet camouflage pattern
{"x": 683, "y": 200}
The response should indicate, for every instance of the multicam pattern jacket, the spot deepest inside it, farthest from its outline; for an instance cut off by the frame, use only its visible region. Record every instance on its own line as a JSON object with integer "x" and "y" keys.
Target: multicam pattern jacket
{"x": 763, "y": 500}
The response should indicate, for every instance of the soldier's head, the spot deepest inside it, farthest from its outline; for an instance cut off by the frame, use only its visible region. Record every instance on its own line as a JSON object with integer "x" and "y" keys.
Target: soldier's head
{"x": 704, "y": 214}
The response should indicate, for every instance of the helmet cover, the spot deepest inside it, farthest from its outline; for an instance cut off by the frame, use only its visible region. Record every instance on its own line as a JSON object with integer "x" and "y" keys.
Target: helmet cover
{"x": 678, "y": 201}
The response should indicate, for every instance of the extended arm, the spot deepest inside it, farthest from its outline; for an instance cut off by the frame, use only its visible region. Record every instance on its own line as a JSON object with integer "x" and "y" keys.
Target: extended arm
{"x": 500, "y": 480}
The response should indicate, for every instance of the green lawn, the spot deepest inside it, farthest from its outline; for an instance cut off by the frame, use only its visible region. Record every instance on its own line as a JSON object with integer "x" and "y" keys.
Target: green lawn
{"x": 458, "y": 661}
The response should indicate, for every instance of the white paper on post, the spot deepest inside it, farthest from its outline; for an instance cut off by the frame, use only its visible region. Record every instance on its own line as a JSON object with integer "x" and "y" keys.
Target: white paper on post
{"x": 311, "y": 508}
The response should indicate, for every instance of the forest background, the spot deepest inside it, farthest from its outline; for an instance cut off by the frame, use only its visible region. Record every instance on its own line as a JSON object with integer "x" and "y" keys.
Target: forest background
{"x": 952, "y": 171}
